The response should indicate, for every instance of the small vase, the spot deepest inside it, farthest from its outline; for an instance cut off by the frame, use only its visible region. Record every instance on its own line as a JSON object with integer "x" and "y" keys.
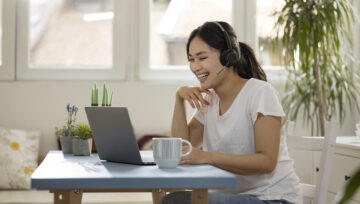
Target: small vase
{"x": 82, "y": 147}
{"x": 66, "y": 144}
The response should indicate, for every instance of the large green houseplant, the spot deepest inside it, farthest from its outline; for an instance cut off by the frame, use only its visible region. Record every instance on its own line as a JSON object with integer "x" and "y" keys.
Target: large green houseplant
{"x": 315, "y": 35}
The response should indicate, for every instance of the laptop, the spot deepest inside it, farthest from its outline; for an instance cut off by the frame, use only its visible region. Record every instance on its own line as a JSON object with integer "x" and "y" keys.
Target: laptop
{"x": 114, "y": 136}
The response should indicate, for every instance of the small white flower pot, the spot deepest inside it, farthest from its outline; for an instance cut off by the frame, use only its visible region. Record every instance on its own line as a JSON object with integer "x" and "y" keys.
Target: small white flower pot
{"x": 82, "y": 147}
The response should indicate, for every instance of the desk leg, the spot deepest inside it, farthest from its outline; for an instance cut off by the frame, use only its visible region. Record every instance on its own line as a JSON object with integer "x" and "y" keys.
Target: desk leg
{"x": 199, "y": 196}
{"x": 67, "y": 196}
{"x": 157, "y": 195}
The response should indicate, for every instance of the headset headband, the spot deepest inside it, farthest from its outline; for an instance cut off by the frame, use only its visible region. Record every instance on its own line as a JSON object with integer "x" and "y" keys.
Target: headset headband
{"x": 226, "y": 36}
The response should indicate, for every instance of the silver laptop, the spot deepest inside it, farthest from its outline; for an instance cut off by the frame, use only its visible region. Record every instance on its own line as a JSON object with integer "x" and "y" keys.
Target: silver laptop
{"x": 114, "y": 136}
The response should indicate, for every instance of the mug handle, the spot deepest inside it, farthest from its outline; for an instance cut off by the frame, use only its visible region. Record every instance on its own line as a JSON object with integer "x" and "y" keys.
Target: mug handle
{"x": 188, "y": 143}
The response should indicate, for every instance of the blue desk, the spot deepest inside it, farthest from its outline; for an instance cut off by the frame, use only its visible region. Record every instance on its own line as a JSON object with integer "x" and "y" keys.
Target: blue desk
{"x": 68, "y": 176}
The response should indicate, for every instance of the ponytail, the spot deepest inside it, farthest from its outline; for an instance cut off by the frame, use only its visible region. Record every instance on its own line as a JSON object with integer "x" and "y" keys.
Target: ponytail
{"x": 248, "y": 66}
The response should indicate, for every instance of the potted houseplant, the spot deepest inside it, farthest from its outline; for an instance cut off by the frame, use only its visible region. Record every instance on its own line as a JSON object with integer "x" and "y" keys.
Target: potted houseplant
{"x": 106, "y": 100}
{"x": 82, "y": 141}
{"x": 315, "y": 36}
{"x": 68, "y": 130}
{"x": 95, "y": 96}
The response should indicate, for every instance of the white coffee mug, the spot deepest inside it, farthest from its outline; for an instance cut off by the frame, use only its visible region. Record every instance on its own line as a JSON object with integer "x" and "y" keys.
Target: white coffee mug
{"x": 168, "y": 151}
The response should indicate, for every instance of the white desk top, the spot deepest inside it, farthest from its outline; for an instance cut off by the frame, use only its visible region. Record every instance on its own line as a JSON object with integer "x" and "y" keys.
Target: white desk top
{"x": 59, "y": 171}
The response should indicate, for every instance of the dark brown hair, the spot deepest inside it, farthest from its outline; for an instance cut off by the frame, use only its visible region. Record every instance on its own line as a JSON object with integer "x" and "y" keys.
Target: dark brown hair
{"x": 247, "y": 65}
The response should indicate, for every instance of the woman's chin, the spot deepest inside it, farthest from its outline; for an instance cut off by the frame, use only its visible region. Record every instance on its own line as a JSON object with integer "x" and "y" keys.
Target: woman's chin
{"x": 205, "y": 86}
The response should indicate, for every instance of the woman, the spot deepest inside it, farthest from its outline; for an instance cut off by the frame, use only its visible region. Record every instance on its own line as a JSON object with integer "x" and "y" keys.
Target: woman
{"x": 237, "y": 126}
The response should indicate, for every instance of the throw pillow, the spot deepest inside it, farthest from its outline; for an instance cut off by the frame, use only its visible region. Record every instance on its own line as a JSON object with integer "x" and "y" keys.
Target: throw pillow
{"x": 18, "y": 157}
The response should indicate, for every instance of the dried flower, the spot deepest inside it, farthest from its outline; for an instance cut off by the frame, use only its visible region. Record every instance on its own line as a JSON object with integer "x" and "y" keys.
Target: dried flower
{"x": 70, "y": 128}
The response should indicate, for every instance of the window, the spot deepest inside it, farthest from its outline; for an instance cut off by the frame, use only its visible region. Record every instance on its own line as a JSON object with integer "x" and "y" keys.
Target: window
{"x": 7, "y": 39}
{"x": 71, "y": 39}
{"x": 123, "y": 39}
{"x": 163, "y": 36}
{"x": 165, "y": 33}
{"x": 267, "y": 54}
{"x": 114, "y": 40}
{"x": 171, "y": 23}
{"x": 71, "y": 33}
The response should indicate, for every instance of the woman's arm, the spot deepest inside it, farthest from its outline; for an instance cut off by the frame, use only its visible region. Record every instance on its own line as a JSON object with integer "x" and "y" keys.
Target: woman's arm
{"x": 267, "y": 131}
{"x": 196, "y": 132}
{"x": 179, "y": 128}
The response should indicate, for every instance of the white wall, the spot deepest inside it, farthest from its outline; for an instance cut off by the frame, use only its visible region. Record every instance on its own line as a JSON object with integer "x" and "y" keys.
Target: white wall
{"x": 40, "y": 105}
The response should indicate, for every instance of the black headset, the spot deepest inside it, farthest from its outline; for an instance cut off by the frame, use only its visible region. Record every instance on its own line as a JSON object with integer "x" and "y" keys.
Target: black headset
{"x": 228, "y": 56}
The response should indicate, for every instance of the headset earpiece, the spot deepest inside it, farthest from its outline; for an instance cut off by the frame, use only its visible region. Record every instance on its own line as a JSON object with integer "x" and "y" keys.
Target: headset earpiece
{"x": 228, "y": 57}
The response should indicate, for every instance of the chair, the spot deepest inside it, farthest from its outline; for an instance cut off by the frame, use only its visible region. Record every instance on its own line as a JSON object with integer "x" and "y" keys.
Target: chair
{"x": 317, "y": 193}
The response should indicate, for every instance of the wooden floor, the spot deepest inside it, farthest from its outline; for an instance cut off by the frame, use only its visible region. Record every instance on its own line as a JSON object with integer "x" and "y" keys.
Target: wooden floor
{"x": 45, "y": 197}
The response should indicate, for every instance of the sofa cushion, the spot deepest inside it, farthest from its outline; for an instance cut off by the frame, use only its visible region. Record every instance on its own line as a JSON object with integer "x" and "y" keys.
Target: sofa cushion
{"x": 18, "y": 157}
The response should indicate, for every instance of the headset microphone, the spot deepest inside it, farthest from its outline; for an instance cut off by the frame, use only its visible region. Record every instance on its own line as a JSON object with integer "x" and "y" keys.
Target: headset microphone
{"x": 221, "y": 70}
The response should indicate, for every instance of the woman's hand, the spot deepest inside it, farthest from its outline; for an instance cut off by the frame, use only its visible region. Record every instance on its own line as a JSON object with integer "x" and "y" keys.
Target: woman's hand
{"x": 196, "y": 156}
{"x": 193, "y": 96}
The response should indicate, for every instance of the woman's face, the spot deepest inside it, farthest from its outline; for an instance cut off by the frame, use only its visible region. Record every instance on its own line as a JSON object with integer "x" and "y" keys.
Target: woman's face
{"x": 204, "y": 63}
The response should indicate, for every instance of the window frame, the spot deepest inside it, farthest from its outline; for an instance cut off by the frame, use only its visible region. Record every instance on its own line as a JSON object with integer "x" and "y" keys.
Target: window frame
{"x": 7, "y": 68}
{"x": 62, "y": 72}
{"x": 131, "y": 47}
{"x": 171, "y": 73}
{"x": 244, "y": 23}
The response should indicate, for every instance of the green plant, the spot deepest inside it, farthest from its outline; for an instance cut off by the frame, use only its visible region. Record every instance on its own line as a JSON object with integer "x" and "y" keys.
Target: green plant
{"x": 95, "y": 96}
{"x": 83, "y": 132}
{"x": 351, "y": 187}
{"x": 105, "y": 98}
{"x": 314, "y": 34}
{"x": 69, "y": 128}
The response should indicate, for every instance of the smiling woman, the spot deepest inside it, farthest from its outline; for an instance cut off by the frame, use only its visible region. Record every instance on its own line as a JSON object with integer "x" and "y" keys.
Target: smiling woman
{"x": 207, "y": 49}
{"x": 237, "y": 126}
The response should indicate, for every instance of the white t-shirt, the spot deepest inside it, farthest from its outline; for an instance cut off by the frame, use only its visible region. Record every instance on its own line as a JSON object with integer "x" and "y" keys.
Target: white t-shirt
{"x": 233, "y": 133}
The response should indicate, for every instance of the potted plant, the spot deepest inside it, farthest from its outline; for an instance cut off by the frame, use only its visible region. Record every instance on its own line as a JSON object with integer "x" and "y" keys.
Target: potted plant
{"x": 315, "y": 36}
{"x": 106, "y": 100}
{"x": 68, "y": 130}
{"x": 95, "y": 96}
{"x": 82, "y": 141}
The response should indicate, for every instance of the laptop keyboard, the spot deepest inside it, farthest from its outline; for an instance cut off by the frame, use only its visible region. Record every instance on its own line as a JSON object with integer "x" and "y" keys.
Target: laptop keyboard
{"x": 149, "y": 163}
